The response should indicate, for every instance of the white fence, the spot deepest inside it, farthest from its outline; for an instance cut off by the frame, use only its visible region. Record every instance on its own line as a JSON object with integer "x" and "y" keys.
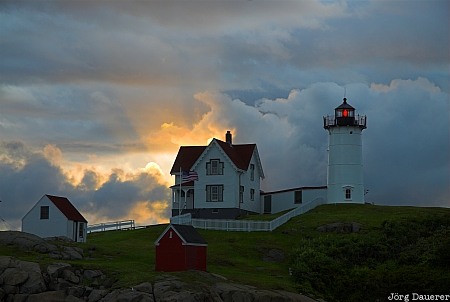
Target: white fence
{"x": 110, "y": 226}
{"x": 245, "y": 225}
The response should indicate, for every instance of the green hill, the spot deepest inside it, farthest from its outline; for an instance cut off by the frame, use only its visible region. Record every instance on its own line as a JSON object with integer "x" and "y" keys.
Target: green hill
{"x": 398, "y": 250}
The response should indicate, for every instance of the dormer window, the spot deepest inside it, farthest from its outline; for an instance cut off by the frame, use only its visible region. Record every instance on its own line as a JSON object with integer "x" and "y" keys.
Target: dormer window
{"x": 214, "y": 167}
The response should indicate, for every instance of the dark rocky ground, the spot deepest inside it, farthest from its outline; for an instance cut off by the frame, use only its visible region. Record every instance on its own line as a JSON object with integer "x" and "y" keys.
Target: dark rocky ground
{"x": 24, "y": 281}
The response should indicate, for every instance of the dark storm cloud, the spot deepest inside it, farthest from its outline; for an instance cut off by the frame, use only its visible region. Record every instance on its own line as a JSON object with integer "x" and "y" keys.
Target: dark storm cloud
{"x": 405, "y": 146}
{"x": 96, "y": 78}
{"x": 25, "y": 176}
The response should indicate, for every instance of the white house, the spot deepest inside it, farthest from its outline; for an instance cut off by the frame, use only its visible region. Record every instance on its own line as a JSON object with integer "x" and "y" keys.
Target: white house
{"x": 55, "y": 216}
{"x": 228, "y": 182}
{"x": 224, "y": 179}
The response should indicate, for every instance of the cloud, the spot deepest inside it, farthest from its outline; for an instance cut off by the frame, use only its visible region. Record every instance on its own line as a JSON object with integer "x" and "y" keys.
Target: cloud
{"x": 25, "y": 176}
{"x": 406, "y": 145}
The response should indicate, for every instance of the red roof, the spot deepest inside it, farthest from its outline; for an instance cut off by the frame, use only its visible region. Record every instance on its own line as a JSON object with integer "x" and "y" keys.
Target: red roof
{"x": 240, "y": 155}
{"x": 186, "y": 158}
{"x": 67, "y": 208}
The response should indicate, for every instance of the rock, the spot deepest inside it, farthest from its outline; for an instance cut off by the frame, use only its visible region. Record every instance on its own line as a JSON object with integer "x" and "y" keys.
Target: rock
{"x": 35, "y": 284}
{"x": 127, "y": 295}
{"x": 71, "y": 298}
{"x": 70, "y": 276}
{"x": 145, "y": 287}
{"x": 14, "y": 276}
{"x": 55, "y": 296}
{"x": 72, "y": 253}
{"x": 92, "y": 274}
{"x": 96, "y": 295}
{"x": 26, "y": 241}
{"x": 5, "y": 261}
{"x": 20, "y": 298}
{"x": 55, "y": 270}
{"x": 76, "y": 291}
{"x": 341, "y": 227}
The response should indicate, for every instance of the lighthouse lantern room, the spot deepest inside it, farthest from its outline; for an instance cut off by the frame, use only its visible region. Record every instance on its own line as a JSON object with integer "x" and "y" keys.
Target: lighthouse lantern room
{"x": 345, "y": 164}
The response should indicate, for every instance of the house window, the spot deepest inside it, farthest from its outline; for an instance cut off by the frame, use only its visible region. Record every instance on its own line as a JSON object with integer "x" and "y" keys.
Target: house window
{"x": 252, "y": 194}
{"x": 214, "y": 167}
{"x": 81, "y": 230}
{"x": 241, "y": 194}
{"x": 252, "y": 172}
{"x": 45, "y": 211}
{"x": 298, "y": 197}
{"x": 348, "y": 193}
{"x": 214, "y": 193}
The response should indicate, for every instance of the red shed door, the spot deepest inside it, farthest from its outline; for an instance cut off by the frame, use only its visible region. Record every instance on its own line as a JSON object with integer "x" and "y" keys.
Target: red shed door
{"x": 170, "y": 253}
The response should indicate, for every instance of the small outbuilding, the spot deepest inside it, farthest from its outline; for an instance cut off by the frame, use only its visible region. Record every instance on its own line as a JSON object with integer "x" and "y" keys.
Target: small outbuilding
{"x": 54, "y": 216}
{"x": 180, "y": 248}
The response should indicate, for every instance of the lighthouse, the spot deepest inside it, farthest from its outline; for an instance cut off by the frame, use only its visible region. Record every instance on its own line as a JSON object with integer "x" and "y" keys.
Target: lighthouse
{"x": 345, "y": 165}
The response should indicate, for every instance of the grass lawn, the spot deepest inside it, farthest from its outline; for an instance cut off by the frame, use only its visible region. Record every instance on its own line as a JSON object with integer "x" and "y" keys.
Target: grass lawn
{"x": 129, "y": 256}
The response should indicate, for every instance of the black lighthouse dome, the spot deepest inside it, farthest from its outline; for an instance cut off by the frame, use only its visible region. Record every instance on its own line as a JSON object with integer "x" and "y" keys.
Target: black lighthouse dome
{"x": 344, "y": 115}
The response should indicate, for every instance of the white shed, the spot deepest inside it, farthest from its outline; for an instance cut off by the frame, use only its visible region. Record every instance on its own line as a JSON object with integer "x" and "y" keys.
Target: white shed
{"x": 54, "y": 216}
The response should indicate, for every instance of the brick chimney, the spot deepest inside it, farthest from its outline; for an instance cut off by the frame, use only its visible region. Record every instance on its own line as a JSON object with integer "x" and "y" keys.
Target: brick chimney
{"x": 229, "y": 138}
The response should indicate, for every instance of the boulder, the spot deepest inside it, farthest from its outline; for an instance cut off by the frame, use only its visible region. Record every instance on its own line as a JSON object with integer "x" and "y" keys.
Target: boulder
{"x": 127, "y": 295}
{"x": 96, "y": 295}
{"x": 35, "y": 284}
{"x": 145, "y": 287}
{"x": 14, "y": 276}
{"x": 70, "y": 276}
{"x": 26, "y": 241}
{"x": 21, "y": 277}
{"x": 55, "y": 270}
{"x": 92, "y": 274}
{"x": 54, "y": 296}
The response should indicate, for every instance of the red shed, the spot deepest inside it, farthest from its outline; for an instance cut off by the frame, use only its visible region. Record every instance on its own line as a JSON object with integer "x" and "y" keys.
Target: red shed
{"x": 180, "y": 248}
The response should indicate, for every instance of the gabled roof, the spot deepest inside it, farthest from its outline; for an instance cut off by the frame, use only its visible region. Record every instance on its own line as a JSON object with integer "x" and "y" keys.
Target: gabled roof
{"x": 187, "y": 233}
{"x": 186, "y": 158}
{"x": 240, "y": 155}
{"x": 67, "y": 208}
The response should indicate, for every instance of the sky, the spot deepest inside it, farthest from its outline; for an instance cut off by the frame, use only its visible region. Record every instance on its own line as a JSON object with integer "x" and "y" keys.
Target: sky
{"x": 96, "y": 97}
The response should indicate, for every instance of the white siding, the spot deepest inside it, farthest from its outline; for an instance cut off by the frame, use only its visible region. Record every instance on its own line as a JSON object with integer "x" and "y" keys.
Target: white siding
{"x": 229, "y": 180}
{"x": 285, "y": 200}
{"x": 248, "y": 204}
{"x": 56, "y": 225}
{"x": 345, "y": 166}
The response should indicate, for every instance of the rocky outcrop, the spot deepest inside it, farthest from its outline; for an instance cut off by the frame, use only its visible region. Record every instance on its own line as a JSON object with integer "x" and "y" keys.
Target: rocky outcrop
{"x": 35, "y": 243}
{"x": 25, "y": 281}
{"x": 26, "y": 241}
{"x": 59, "y": 281}
{"x": 341, "y": 227}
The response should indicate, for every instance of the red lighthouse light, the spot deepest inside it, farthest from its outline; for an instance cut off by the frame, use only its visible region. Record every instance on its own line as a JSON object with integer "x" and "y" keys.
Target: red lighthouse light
{"x": 345, "y": 113}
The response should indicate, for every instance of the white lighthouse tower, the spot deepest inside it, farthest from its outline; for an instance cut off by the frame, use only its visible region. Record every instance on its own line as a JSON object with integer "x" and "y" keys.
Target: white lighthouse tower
{"x": 345, "y": 165}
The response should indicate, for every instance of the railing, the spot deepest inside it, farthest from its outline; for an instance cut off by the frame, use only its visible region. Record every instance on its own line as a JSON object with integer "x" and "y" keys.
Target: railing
{"x": 295, "y": 212}
{"x": 110, "y": 226}
{"x": 231, "y": 225}
{"x": 245, "y": 225}
{"x": 331, "y": 121}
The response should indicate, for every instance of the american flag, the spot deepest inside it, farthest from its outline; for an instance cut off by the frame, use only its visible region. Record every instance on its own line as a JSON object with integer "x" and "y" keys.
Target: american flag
{"x": 189, "y": 176}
